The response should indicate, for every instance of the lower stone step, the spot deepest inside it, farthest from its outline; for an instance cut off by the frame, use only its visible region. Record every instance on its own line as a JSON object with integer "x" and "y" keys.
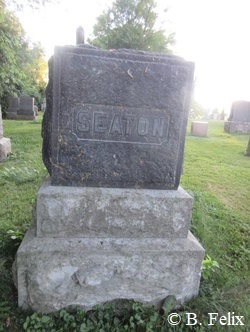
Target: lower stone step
{"x": 54, "y": 273}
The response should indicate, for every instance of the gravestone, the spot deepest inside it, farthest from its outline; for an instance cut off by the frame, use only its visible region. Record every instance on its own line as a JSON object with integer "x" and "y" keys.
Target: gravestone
{"x": 239, "y": 119}
{"x": 5, "y": 145}
{"x": 43, "y": 106}
{"x": 111, "y": 222}
{"x": 13, "y": 106}
{"x": 247, "y": 153}
{"x": 26, "y": 109}
{"x": 126, "y": 111}
{"x": 36, "y": 110}
{"x": 199, "y": 128}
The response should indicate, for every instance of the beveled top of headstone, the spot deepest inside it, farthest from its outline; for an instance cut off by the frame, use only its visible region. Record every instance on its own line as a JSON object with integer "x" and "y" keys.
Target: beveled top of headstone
{"x": 116, "y": 118}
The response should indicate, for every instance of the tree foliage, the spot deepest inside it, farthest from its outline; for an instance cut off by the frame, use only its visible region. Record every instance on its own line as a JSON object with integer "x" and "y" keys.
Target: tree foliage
{"x": 20, "y": 4}
{"x": 130, "y": 24}
{"x": 197, "y": 111}
{"x": 22, "y": 66}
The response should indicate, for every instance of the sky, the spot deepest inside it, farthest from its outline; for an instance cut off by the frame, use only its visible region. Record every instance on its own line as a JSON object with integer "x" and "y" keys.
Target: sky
{"x": 214, "y": 34}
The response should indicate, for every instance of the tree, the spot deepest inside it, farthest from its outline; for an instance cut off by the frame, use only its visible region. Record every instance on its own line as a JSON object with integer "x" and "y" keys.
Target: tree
{"x": 130, "y": 24}
{"x": 22, "y": 66}
{"x": 197, "y": 111}
{"x": 35, "y": 69}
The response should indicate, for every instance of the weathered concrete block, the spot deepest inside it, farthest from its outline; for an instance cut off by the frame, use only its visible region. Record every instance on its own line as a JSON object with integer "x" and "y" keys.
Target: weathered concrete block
{"x": 112, "y": 212}
{"x": 54, "y": 273}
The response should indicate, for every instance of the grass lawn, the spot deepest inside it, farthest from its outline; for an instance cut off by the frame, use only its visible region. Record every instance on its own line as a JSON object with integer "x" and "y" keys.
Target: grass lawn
{"x": 215, "y": 172}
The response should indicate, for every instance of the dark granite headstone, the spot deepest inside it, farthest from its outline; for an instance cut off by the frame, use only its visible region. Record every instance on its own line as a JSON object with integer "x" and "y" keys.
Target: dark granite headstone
{"x": 239, "y": 119}
{"x": 116, "y": 118}
{"x": 13, "y": 106}
{"x": 112, "y": 119}
{"x": 240, "y": 111}
{"x": 26, "y": 108}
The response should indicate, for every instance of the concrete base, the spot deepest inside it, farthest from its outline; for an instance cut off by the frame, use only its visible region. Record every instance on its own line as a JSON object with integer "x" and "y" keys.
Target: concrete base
{"x": 55, "y": 273}
{"x": 5, "y": 148}
{"x": 122, "y": 261}
{"x": 237, "y": 127}
{"x": 111, "y": 212}
{"x": 26, "y": 116}
{"x": 11, "y": 115}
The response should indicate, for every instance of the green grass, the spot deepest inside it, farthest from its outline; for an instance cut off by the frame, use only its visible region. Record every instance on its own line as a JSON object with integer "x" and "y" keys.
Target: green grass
{"x": 20, "y": 177}
{"x": 216, "y": 173}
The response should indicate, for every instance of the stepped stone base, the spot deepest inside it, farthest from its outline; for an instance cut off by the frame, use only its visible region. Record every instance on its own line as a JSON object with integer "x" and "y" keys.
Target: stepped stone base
{"x": 11, "y": 115}
{"x": 82, "y": 270}
{"x": 5, "y": 148}
{"x": 112, "y": 212}
{"x": 26, "y": 116}
{"x": 237, "y": 127}
{"x": 56, "y": 273}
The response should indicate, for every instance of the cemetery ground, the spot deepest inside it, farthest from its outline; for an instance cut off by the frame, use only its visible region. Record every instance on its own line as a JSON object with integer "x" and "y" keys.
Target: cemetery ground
{"x": 216, "y": 173}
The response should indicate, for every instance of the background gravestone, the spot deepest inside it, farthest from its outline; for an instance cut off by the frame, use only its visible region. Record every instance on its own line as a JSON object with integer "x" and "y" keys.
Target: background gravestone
{"x": 111, "y": 222}
{"x": 43, "y": 106}
{"x": 5, "y": 146}
{"x": 199, "y": 128}
{"x": 247, "y": 153}
{"x": 13, "y": 106}
{"x": 239, "y": 119}
{"x": 26, "y": 109}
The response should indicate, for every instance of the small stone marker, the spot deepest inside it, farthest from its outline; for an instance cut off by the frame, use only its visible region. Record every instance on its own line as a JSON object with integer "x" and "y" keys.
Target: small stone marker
{"x": 5, "y": 145}
{"x": 247, "y": 153}
{"x": 26, "y": 109}
{"x": 43, "y": 106}
{"x": 13, "y": 107}
{"x": 36, "y": 110}
{"x": 80, "y": 36}
{"x": 199, "y": 128}
{"x": 111, "y": 222}
{"x": 239, "y": 119}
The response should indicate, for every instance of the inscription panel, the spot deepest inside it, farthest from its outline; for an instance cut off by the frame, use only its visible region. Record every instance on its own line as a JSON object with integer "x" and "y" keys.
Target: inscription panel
{"x": 119, "y": 124}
